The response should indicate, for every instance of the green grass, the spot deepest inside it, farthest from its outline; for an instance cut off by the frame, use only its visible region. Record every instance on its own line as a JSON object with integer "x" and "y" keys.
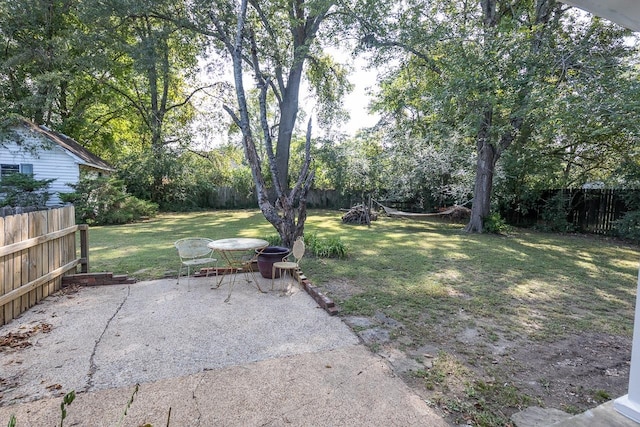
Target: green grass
{"x": 433, "y": 278}
{"x": 145, "y": 250}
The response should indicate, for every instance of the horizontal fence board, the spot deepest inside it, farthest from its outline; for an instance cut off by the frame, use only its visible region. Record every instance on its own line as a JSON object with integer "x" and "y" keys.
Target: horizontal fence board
{"x": 36, "y": 241}
{"x": 26, "y": 288}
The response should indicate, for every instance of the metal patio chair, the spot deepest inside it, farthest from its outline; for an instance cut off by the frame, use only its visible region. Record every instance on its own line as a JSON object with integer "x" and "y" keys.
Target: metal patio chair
{"x": 286, "y": 265}
{"x": 193, "y": 252}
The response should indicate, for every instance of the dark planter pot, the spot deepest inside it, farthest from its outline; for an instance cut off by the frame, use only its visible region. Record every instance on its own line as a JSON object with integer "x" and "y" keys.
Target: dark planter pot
{"x": 267, "y": 257}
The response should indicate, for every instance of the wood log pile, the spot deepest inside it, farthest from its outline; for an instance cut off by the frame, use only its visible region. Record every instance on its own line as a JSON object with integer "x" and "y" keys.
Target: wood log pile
{"x": 455, "y": 213}
{"x": 359, "y": 214}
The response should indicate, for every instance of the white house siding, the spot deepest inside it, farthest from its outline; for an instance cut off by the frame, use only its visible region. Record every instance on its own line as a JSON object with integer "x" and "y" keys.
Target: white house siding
{"x": 50, "y": 162}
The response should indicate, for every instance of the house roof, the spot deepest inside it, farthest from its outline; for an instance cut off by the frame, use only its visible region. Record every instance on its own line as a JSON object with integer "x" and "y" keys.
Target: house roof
{"x": 86, "y": 157}
{"x": 623, "y": 12}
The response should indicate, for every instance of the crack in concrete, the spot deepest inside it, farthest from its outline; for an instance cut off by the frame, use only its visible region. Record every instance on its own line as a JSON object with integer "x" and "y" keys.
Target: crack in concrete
{"x": 194, "y": 396}
{"x": 92, "y": 363}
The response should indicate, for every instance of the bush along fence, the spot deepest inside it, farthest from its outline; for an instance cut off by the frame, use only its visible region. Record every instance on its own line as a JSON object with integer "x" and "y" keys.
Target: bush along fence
{"x": 597, "y": 211}
{"x": 36, "y": 250}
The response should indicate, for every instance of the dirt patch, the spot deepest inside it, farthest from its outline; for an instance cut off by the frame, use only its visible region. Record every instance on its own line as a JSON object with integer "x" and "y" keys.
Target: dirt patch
{"x": 480, "y": 369}
{"x": 575, "y": 373}
{"x": 341, "y": 289}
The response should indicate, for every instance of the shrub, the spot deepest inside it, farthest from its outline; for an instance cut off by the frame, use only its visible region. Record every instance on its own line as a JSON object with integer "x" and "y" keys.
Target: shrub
{"x": 20, "y": 189}
{"x": 322, "y": 248}
{"x": 494, "y": 223}
{"x": 185, "y": 181}
{"x": 273, "y": 239}
{"x": 105, "y": 201}
{"x": 332, "y": 247}
{"x": 555, "y": 213}
{"x": 628, "y": 227}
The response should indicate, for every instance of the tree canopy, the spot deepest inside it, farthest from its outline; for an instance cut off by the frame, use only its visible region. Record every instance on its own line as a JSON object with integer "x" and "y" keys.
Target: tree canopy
{"x": 511, "y": 80}
{"x": 485, "y": 102}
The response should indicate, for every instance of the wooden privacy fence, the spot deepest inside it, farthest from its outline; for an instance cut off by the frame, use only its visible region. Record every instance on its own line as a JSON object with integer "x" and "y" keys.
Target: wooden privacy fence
{"x": 36, "y": 250}
{"x": 231, "y": 198}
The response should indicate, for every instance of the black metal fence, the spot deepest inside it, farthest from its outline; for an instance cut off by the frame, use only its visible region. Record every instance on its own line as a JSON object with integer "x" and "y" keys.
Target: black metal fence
{"x": 596, "y": 211}
{"x": 587, "y": 210}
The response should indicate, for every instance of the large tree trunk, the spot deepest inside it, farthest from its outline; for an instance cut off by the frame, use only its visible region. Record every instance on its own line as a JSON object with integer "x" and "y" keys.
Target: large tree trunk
{"x": 288, "y": 115}
{"x": 488, "y": 152}
{"x": 282, "y": 214}
{"x": 487, "y": 158}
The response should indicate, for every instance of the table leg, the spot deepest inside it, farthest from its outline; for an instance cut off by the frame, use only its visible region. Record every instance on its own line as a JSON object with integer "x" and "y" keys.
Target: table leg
{"x": 236, "y": 263}
{"x": 255, "y": 258}
{"x": 249, "y": 274}
{"x": 232, "y": 283}
{"x": 220, "y": 279}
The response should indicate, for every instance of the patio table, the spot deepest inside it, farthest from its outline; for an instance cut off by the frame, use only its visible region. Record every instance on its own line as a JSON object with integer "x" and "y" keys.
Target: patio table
{"x": 234, "y": 251}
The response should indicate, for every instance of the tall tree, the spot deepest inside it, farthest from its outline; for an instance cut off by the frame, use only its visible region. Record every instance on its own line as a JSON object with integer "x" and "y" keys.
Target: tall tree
{"x": 49, "y": 56}
{"x": 40, "y": 58}
{"x": 500, "y": 124}
{"x": 490, "y": 72}
{"x": 275, "y": 40}
{"x": 148, "y": 64}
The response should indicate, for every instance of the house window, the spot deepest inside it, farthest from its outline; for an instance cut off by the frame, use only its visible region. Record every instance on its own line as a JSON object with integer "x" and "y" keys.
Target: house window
{"x": 6, "y": 170}
{"x": 25, "y": 168}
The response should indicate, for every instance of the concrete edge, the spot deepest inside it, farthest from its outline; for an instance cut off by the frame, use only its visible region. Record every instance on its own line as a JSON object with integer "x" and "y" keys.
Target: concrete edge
{"x": 108, "y": 278}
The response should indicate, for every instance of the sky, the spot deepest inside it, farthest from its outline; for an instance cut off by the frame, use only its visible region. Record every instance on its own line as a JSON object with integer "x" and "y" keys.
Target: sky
{"x": 356, "y": 102}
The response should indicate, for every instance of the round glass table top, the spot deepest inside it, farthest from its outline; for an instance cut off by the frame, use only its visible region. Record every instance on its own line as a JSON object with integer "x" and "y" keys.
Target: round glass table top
{"x": 238, "y": 244}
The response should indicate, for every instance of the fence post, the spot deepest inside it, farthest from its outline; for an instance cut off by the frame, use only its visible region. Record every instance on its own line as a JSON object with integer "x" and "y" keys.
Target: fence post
{"x": 84, "y": 248}
{"x": 629, "y": 404}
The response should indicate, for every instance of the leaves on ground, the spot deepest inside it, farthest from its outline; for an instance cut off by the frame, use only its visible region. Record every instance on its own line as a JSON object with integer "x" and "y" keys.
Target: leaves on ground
{"x": 21, "y": 339}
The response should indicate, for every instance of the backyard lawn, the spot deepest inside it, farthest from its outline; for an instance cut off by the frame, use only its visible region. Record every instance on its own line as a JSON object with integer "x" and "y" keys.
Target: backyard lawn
{"x": 479, "y": 325}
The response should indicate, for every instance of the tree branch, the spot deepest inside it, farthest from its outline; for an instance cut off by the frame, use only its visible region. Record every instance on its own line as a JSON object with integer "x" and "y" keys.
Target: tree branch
{"x": 268, "y": 140}
{"x": 188, "y": 97}
{"x": 233, "y": 115}
{"x": 141, "y": 108}
{"x": 304, "y": 178}
{"x": 370, "y": 40}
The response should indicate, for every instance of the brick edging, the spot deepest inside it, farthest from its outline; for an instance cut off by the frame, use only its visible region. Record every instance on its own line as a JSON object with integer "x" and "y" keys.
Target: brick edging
{"x": 97, "y": 279}
{"x": 324, "y": 301}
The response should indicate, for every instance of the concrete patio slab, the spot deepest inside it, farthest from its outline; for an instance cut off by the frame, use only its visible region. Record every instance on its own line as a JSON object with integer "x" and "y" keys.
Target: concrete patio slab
{"x": 272, "y": 358}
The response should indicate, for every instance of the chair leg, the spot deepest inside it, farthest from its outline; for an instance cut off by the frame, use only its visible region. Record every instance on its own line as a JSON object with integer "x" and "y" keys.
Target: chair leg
{"x": 273, "y": 275}
{"x": 292, "y": 278}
